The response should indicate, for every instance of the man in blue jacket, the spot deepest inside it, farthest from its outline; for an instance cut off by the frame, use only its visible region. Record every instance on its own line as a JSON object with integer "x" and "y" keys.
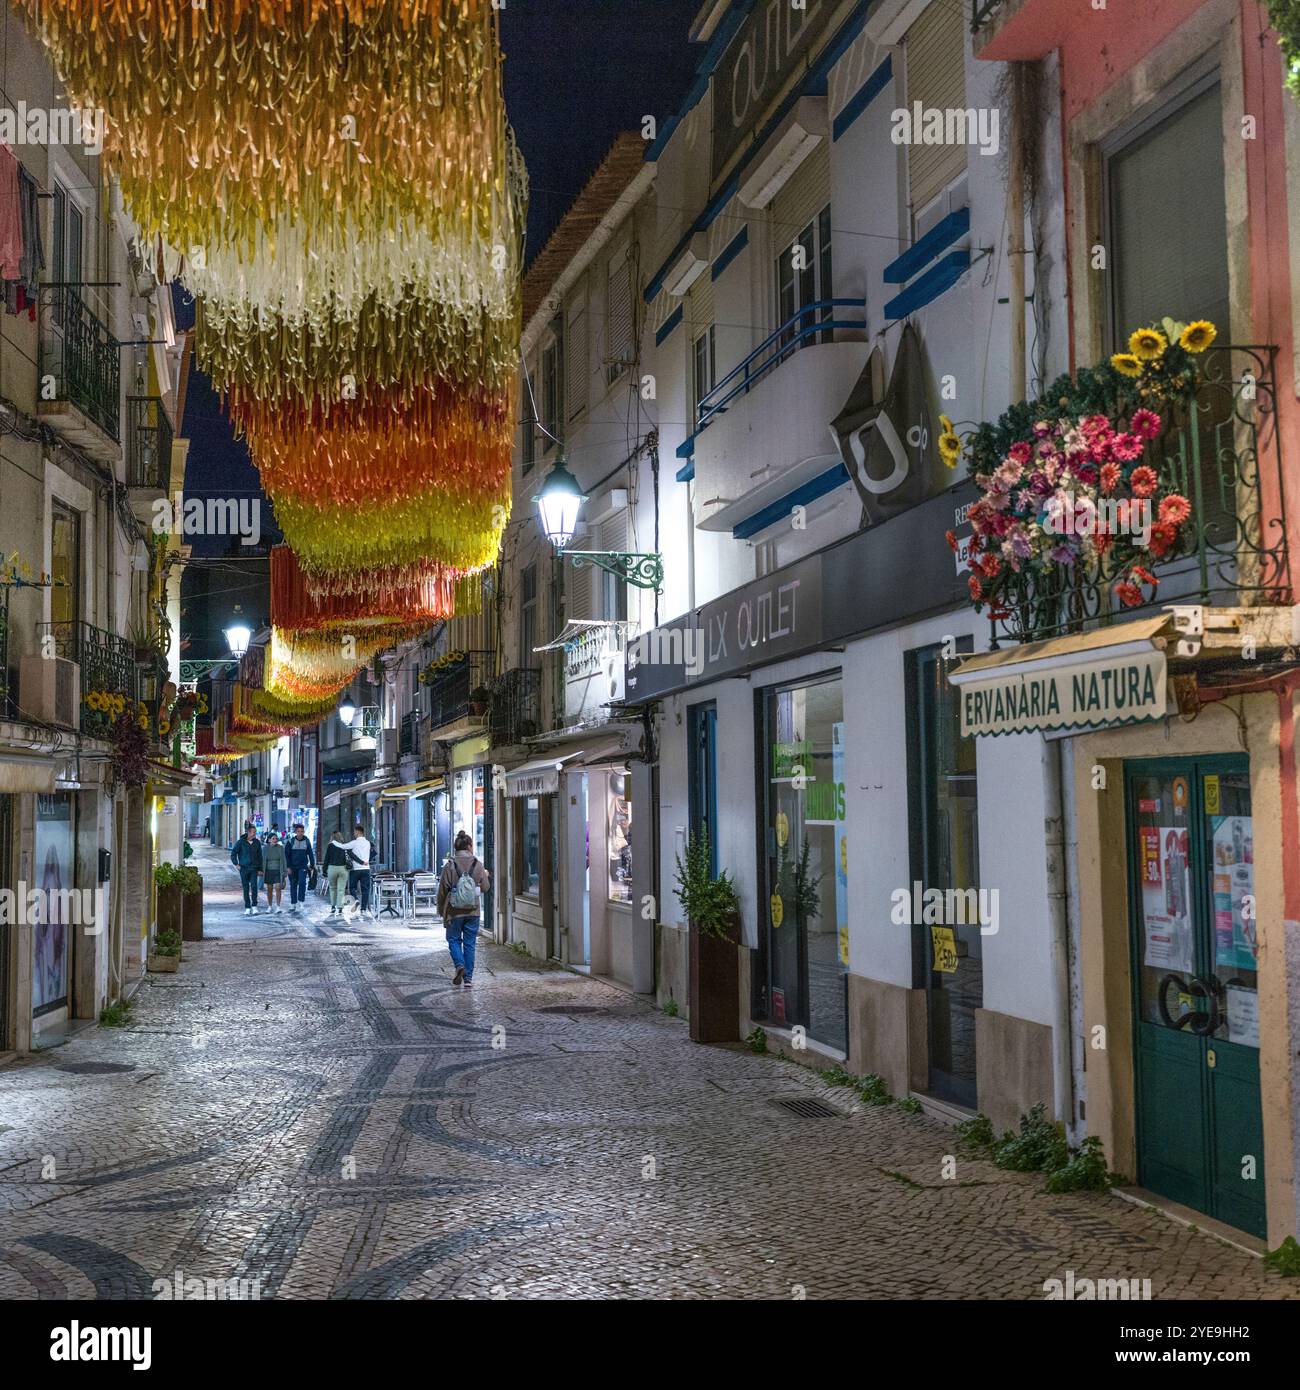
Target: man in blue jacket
{"x": 246, "y": 855}
{"x": 301, "y": 859}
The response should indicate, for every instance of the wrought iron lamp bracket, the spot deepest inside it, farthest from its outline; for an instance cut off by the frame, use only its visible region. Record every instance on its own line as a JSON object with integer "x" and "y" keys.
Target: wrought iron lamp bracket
{"x": 643, "y": 570}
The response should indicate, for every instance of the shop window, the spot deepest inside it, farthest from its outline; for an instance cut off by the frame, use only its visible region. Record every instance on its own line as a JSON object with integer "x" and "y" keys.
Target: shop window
{"x": 530, "y": 839}
{"x": 619, "y": 839}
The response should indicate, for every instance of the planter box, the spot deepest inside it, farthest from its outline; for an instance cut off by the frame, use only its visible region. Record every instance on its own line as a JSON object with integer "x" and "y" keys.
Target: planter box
{"x": 164, "y": 965}
{"x": 170, "y": 909}
{"x": 192, "y": 915}
{"x": 715, "y": 986}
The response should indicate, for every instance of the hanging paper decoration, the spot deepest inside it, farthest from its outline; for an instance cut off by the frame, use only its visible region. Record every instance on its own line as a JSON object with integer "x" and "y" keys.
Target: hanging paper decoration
{"x": 385, "y": 598}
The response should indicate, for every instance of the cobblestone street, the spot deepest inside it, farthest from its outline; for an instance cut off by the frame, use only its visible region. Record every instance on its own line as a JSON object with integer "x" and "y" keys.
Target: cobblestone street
{"x": 314, "y": 1108}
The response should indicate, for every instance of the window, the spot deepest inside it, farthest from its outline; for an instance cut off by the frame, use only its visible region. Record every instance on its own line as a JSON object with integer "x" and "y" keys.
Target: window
{"x": 703, "y": 367}
{"x": 618, "y": 317}
{"x": 935, "y": 55}
{"x": 615, "y": 537}
{"x": 618, "y": 840}
{"x": 576, "y": 370}
{"x": 65, "y": 565}
{"x": 530, "y": 830}
{"x": 68, "y": 244}
{"x": 552, "y": 393}
{"x": 803, "y": 277}
{"x": 528, "y": 425}
{"x": 527, "y": 615}
{"x": 1175, "y": 163}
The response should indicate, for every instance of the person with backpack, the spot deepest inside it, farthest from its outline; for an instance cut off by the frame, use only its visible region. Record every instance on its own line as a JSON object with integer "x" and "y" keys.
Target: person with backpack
{"x": 336, "y": 872}
{"x": 463, "y": 879}
{"x": 300, "y": 860}
{"x": 246, "y": 856}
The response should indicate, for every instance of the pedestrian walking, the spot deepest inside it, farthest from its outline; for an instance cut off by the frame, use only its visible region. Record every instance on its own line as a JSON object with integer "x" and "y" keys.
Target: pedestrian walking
{"x": 246, "y": 856}
{"x": 273, "y": 867}
{"x": 336, "y": 871}
{"x": 300, "y": 860}
{"x": 463, "y": 879}
{"x": 358, "y": 850}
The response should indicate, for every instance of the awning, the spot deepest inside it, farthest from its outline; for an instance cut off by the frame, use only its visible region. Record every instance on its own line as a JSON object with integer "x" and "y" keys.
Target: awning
{"x": 373, "y": 785}
{"x": 412, "y": 791}
{"x": 1111, "y": 675}
{"x": 166, "y": 779}
{"x": 332, "y": 799}
{"x": 541, "y": 777}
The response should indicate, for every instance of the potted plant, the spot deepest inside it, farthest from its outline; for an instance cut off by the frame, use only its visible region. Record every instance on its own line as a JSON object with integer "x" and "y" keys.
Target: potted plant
{"x": 712, "y": 909}
{"x": 478, "y": 700}
{"x": 191, "y": 885}
{"x": 171, "y": 891}
{"x": 165, "y": 958}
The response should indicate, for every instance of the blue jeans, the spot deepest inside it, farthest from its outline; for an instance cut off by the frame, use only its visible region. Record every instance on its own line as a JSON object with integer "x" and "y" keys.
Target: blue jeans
{"x": 297, "y": 885}
{"x": 462, "y": 933}
{"x": 248, "y": 882}
{"x": 359, "y": 887}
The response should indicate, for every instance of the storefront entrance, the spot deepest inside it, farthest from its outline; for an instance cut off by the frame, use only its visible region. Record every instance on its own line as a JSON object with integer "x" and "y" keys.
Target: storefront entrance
{"x": 806, "y": 843}
{"x": 6, "y": 876}
{"x": 1200, "y": 1133}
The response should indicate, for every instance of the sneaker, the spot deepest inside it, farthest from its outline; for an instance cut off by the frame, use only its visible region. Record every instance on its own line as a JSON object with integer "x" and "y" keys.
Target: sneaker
{"x": 248, "y": 912}
{"x": 459, "y": 977}
{"x": 469, "y": 984}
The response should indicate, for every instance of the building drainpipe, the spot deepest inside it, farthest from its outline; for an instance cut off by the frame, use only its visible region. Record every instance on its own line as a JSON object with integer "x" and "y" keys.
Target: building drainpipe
{"x": 1059, "y": 807}
{"x": 1290, "y": 909}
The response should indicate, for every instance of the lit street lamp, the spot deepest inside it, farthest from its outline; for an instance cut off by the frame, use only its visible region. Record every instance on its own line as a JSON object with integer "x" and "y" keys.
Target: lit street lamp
{"x": 558, "y": 503}
{"x": 347, "y": 712}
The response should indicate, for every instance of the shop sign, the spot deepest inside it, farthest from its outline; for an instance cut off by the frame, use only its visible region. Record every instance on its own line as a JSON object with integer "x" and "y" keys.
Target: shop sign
{"x": 1080, "y": 695}
{"x": 944, "y": 943}
{"x": 348, "y": 777}
{"x": 767, "y": 48}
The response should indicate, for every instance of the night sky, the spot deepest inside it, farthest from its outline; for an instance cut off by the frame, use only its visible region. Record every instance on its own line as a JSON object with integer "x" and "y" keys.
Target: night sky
{"x": 577, "y": 72}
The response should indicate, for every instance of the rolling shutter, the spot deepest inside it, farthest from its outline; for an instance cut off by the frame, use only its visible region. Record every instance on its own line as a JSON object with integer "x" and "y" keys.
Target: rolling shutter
{"x": 935, "y": 54}
{"x": 699, "y": 305}
{"x": 614, "y": 531}
{"x": 578, "y": 593}
{"x": 803, "y": 197}
{"x": 577, "y": 372}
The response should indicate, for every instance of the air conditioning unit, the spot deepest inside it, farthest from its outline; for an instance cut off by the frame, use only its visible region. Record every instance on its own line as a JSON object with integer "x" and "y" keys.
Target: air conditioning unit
{"x": 388, "y": 747}
{"x": 49, "y": 689}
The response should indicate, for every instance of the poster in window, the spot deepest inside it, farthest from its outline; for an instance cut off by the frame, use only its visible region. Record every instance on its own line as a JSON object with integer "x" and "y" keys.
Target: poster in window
{"x": 51, "y": 935}
{"x": 620, "y": 839}
{"x": 1235, "y": 944}
{"x": 1166, "y": 898}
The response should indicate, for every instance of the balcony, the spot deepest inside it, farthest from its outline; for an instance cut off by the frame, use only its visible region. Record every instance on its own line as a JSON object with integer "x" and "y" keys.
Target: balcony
{"x": 107, "y": 664}
{"x": 762, "y": 432}
{"x": 453, "y": 712}
{"x": 81, "y": 358}
{"x": 408, "y": 743}
{"x": 594, "y": 666}
{"x": 365, "y": 728}
{"x": 515, "y": 711}
{"x": 1223, "y": 454}
{"x": 148, "y": 444}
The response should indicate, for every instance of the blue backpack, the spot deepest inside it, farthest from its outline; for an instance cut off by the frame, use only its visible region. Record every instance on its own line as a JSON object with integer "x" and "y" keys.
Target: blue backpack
{"x": 465, "y": 893}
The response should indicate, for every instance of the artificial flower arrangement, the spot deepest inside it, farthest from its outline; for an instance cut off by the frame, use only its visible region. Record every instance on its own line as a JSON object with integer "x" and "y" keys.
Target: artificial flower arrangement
{"x": 105, "y": 702}
{"x": 1069, "y": 484}
{"x": 129, "y": 738}
{"x": 440, "y": 663}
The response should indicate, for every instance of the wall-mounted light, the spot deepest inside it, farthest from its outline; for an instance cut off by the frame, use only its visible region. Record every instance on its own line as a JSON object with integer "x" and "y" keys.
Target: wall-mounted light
{"x": 347, "y": 712}
{"x": 558, "y": 504}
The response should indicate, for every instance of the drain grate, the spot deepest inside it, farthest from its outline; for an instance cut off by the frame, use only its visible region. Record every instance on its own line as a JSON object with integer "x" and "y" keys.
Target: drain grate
{"x": 807, "y": 1108}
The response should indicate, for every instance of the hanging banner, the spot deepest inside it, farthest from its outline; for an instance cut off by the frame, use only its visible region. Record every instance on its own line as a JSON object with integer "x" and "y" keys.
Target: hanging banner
{"x": 1087, "y": 694}
{"x": 889, "y": 445}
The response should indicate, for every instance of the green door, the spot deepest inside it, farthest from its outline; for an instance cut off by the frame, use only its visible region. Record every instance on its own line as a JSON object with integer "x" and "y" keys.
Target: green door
{"x": 1200, "y": 1133}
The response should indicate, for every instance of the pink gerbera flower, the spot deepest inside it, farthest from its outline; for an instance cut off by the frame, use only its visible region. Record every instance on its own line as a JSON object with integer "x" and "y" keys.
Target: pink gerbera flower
{"x": 1145, "y": 423}
{"x": 1020, "y": 452}
{"x": 1126, "y": 447}
{"x": 1174, "y": 509}
{"x": 1111, "y": 473}
{"x": 1143, "y": 482}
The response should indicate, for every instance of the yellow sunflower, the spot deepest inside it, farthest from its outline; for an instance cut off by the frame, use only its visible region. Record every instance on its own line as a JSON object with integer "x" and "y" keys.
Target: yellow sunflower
{"x": 1126, "y": 364}
{"x": 1147, "y": 343}
{"x": 1196, "y": 337}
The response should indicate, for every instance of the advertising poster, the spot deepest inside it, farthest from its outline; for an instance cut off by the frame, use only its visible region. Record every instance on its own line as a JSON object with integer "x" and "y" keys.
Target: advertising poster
{"x": 1234, "y": 883}
{"x": 841, "y": 848}
{"x": 51, "y": 935}
{"x": 1166, "y": 898}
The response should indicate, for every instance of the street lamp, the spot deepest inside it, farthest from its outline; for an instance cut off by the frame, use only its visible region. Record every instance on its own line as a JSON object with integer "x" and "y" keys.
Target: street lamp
{"x": 558, "y": 503}
{"x": 237, "y": 638}
{"x": 347, "y": 712}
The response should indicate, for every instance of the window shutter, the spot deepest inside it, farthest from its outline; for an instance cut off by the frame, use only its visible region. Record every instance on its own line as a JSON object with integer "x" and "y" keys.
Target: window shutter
{"x": 935, "y": 52}
{"x": 699, "y": 305}
{"x": 577, "y": 371}
{"x": 615, "y": 531}
{"x": 618, "y": 316}
{"x": 578, "y": 603}
{"x": 803, "y": 197}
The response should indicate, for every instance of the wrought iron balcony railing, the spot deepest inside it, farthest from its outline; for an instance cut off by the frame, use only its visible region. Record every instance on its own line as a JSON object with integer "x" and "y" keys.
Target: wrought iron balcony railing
{"x": 515, "y": 712}
{"x": 82, "y": 357}
{"x": 148, "y": 443}
{"x": 817, "y": 322}
{"x": 449, "y": 694}
{"x": 366, "y": 723}
{"x": 409, "y": 734}
{"x": 107, "y": 662}
{"x": 1222, "y": 452}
